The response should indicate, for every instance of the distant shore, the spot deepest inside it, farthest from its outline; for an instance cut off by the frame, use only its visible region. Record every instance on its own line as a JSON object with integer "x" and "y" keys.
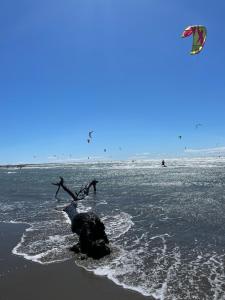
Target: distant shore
{"x": 25, "y": 280}
{"x": 137, "y": 159}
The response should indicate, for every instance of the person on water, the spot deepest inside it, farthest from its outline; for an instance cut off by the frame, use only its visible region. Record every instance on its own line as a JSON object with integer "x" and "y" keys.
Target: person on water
{"x": 163, "y": 163}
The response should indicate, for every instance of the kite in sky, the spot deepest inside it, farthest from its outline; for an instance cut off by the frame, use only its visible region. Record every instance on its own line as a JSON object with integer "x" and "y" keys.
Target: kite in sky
{"x": 180, "y": 137}
{"x": 198, "y": 125}
{"x": 90, "y": 134}
{"x": 199, "y": 33}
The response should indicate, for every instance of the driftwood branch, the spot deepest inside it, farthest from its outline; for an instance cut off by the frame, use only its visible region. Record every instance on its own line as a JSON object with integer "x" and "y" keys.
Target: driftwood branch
{"x": 83, "y": 192}
{"x": 93, "y": 241}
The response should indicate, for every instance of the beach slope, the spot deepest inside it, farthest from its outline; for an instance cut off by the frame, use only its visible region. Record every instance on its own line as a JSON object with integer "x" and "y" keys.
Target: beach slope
{"x": 25, "y": 280}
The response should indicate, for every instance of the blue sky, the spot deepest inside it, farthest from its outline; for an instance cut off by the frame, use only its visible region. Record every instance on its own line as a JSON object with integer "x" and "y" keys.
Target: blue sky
{"x": 118, "y": 67}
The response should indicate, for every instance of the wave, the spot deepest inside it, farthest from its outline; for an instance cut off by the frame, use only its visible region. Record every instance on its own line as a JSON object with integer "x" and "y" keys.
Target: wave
{"x": 117, "y": 225}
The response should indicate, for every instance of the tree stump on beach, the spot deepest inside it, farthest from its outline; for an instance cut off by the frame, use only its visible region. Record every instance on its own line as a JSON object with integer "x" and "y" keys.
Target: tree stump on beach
{"x": 93, "y": 240}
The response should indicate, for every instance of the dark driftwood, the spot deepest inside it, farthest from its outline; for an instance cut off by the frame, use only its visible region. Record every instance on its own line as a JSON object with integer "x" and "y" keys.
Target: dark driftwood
{"x": 93, "y": 240}
{"x": 83, "y": 192}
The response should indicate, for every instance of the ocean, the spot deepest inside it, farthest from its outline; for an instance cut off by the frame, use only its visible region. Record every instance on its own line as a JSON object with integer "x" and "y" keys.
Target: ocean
{"x": 166, "y": 226}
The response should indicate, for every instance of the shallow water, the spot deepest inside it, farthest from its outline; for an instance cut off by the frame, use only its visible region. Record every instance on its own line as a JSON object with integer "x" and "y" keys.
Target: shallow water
{"x": 166, "y": 225}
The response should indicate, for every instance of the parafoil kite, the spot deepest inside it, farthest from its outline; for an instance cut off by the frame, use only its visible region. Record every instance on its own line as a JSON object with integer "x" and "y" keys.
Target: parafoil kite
{"x": 90, "y": 134}
{"x": 199, "y": 33}
{"x": 197, "y": 125}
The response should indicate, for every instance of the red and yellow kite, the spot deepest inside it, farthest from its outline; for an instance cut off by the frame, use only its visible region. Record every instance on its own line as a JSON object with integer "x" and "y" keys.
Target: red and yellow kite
{"x": 199, "y": 33}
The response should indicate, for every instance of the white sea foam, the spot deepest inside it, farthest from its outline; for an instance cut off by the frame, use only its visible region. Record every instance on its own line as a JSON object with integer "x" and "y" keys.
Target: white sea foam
{"x": 7, "y": 207}
{"x": 16, "y": 222}
{"x": 162, "y": 292}
{"x": 81, "y": 208}
{"x": 57, "y": 244}
{"x": 38, "y": 257}
{"x": 67, "y": 219}
{"x": 39, "y": 245}
{"x": 115, "y": 268}
{"x": 34, "y": 258}
{"x": 117, "y": 225}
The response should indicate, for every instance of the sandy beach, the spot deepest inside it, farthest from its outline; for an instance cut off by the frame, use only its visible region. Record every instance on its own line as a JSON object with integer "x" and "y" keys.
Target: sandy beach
{"x": 22, "y": 279}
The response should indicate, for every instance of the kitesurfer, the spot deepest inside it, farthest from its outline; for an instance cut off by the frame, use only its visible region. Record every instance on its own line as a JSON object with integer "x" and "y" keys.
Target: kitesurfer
{"x": 163, "y": 163}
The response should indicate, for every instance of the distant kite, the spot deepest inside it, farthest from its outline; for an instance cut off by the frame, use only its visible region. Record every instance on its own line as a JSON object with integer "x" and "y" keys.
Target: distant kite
{"x": 90, "y": 134}
{"x": 180, "y": 137}
{"x": 104, "y": 150}
{"x": 199, "y": 33}
{"x": 198, "y": 125}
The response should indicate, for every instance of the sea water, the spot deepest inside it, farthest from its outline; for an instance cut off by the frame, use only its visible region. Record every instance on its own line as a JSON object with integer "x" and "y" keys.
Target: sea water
{"x": 166, "y": 225}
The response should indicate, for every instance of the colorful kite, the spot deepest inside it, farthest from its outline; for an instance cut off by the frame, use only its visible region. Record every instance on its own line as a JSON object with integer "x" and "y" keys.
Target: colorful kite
{"x": 199, "y": 36}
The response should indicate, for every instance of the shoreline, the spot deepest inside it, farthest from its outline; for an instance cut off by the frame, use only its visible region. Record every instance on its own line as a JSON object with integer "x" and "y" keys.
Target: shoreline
{"x": 25, "y": 280}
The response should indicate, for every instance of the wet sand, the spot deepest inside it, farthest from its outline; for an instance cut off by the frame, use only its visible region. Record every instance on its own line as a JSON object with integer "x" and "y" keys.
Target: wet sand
{"x": 26, "y": 280}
